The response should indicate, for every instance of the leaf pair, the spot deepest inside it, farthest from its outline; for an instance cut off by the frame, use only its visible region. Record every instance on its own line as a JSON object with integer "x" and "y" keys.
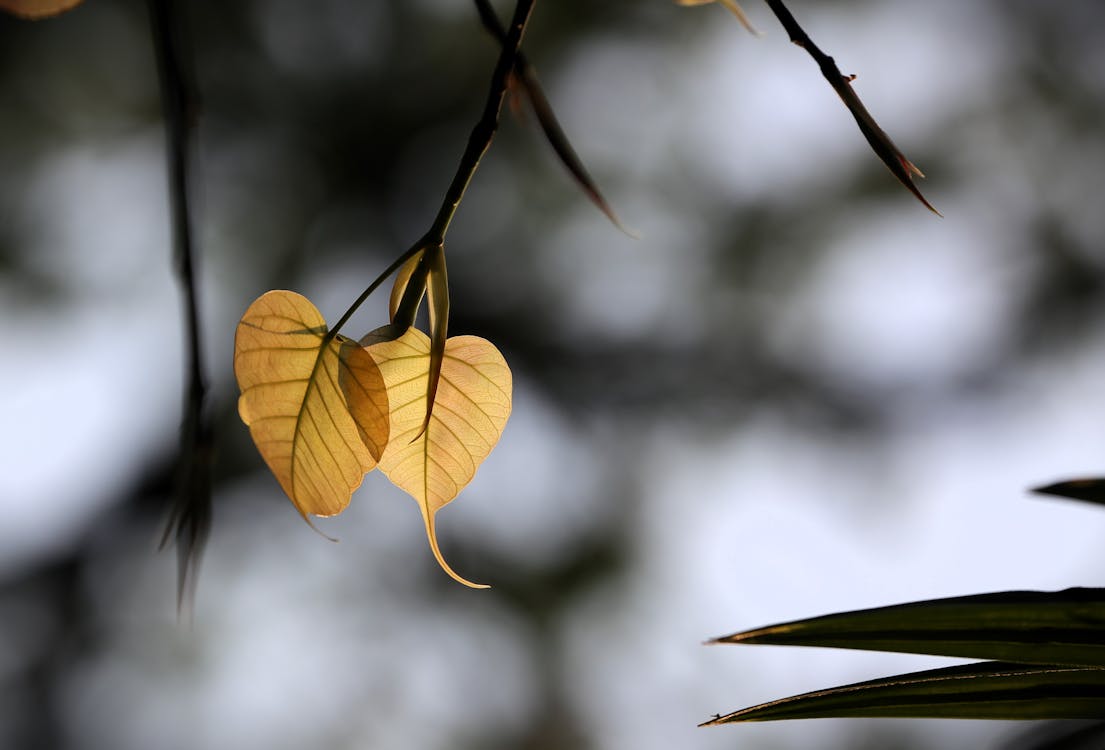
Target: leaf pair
{"x": 324, "y": 410}
{"x": 1049, "y": 649}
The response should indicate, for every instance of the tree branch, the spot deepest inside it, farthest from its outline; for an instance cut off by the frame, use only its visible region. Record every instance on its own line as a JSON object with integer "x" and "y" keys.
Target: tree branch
{"x": 884, "y": 148}
{"x": 484, "y": 130}
{"x": 478, "y": 142}
{"x": 190, "y": 515}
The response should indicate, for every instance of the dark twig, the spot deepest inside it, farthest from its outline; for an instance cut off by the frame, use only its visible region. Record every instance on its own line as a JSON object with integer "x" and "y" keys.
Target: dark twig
{"x": 546, "y": 117}
{"x": 484, "y": 131}
{"x": 432, "y": 244}
{"x": 884, "y": 148}
{"x": 478, "y": 143}
{"x": 190, "y": 515}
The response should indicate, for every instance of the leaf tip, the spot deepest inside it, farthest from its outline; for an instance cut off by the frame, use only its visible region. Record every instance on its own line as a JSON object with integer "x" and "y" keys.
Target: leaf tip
{"x": 432, "y": 535}
{"x": 317, "y": 530}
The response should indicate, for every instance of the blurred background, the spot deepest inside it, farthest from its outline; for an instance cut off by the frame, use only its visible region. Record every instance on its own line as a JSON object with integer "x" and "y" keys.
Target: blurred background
{"x": 799, "y": 393}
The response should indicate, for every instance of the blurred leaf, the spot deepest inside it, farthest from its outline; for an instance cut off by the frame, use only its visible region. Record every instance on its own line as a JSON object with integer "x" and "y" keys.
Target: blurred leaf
{"x": 525, "y": 76}
{"x": 562, "y": 147}
{"x": 986, "y": 690}
{"x": 473, "y": 403}
{"x": 1063, "y": 627}
{"x": 733, "y": 7}
{"x": 296, "y": 380}
{"x": 35, "y": 9}
{"x": 1089, "y": 490}
{"x": 1059, "y": 735}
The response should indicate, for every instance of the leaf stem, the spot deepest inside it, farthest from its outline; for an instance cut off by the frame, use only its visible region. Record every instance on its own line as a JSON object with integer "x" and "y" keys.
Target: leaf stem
{"x": 395, "y": 264}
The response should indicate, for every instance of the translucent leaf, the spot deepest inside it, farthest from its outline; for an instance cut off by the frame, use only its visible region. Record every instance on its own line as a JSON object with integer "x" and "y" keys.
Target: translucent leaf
{"x": 35, "y": 9}
{"x": 1061, "y": 627}
{"x": 472, "y": 406}
{"x": 987, "y": 690}
{"x": 315, "y": 404}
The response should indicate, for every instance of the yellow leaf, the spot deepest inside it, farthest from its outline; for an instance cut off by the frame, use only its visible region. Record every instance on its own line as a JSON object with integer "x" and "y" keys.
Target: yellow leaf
{"x": 470, "y": 410}
{"x": 35, "y": 9}
{"x": 315, "y": 404}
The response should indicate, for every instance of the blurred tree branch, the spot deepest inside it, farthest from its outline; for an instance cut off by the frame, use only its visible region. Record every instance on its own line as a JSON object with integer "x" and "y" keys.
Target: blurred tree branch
{"x": 190, "y": 514}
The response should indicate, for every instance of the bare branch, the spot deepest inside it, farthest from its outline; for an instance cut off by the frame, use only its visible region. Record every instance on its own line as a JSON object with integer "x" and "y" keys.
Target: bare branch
{"x": 884, "y": 148}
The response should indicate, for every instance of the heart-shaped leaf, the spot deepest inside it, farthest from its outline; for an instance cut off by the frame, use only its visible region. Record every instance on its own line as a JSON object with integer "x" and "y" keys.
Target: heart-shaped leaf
{"x": 434, "y": 460}
{"x": 315, "y": 403}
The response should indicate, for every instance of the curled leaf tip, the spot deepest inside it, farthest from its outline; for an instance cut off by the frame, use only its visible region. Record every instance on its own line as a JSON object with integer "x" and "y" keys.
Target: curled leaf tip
{"x": 628, "y": 231}
{"x": 733, "y": 8}
{"x": 317, "y": 530}
{"x": 432, "y": 535}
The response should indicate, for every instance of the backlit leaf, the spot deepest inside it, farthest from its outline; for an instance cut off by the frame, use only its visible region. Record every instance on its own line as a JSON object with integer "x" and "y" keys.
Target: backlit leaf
{"x": 472, "y": 406}
{"x": 35, "y": 9}
{"x": 315, "y": 404}
{"x": 986, "y": 690}
{"x": 1061, "y": 627}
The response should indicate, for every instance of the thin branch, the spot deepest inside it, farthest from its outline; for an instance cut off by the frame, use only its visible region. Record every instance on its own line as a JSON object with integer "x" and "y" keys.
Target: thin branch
{"x": 484, "y": 131}
{"x": 478, "y": 143}
{"x": 190, "y": 515}
{"x": 884, "y": 148}
{"x": 395, "y": 265}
